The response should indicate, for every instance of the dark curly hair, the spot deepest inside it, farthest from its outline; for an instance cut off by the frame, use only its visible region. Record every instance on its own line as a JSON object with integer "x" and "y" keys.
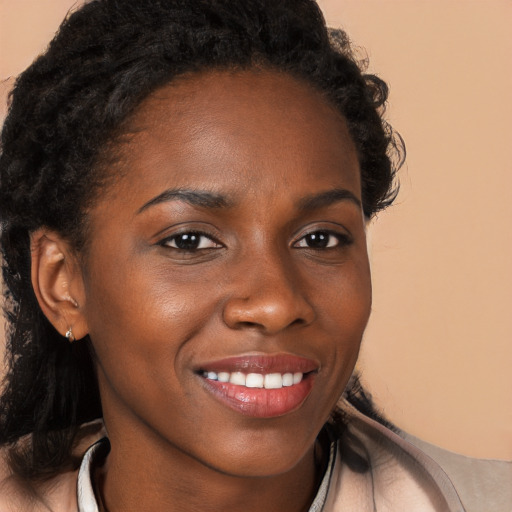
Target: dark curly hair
{"x": 67, "y": 111}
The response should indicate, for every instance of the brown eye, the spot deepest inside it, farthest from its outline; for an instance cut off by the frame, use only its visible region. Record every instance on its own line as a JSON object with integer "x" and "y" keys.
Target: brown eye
{"x": 323, "y": 240}
{"x": 318, "y": 240}
{"x": 190, "y": 241}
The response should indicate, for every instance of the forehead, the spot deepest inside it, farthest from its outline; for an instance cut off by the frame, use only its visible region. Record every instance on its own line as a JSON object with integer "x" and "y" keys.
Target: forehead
{"x": 245, "y": 128}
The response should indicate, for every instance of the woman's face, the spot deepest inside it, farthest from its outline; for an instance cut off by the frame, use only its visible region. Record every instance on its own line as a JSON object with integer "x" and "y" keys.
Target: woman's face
{"x": 230, "y": 250}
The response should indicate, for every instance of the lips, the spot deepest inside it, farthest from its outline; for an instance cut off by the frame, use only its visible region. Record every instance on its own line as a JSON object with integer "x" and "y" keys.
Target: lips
{"x": 261, "y": 386}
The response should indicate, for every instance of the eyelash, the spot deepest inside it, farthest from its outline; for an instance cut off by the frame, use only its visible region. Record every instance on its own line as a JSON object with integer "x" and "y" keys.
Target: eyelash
{"x": 166, "y": 242}
{"x": 340, "y": 240}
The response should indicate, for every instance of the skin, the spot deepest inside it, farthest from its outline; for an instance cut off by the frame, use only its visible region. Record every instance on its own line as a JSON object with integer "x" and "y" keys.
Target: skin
{"x": 257, "y": 284}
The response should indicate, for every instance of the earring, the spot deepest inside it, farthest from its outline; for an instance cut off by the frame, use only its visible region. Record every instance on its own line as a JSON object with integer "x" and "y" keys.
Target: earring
{"x": 70, "y": 336}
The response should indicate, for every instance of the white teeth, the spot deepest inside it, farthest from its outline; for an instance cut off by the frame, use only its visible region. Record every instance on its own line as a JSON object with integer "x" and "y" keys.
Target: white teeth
{"x": 288, "y": 379}
{"x": 273, "y": 381}
{"x": 256, "y": 380}
{"x": 237, "y": 378}
{"x": 223, "y": 376}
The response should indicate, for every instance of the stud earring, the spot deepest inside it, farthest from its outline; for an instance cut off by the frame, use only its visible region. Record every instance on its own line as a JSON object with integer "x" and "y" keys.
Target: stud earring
{"x": 70, "y": 336}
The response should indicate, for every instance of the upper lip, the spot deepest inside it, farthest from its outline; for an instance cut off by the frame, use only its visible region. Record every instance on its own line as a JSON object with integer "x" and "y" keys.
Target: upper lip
{"x": 261, "y": 363}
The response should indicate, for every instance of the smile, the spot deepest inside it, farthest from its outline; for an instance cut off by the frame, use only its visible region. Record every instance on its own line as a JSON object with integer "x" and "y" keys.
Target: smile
{"x": 260, "y": 386}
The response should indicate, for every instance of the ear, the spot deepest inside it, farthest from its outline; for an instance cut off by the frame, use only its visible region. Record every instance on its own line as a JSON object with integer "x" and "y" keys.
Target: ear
{"x": 57, "y": 282}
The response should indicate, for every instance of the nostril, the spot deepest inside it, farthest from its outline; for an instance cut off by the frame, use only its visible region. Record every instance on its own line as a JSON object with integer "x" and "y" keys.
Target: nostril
{"x": 269, "y": 309}
{"x": 248, "y": 325}
{"x": 270, "y": 321}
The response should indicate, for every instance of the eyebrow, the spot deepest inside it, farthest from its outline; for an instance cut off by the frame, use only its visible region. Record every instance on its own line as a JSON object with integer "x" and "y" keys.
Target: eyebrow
{"x": 328, "y": 198}
{"x": 206, "y": 199}
{"x": 201, "y": 198}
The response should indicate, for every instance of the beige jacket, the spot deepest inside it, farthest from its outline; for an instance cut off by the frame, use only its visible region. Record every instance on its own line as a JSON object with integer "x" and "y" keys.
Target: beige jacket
{"x": 380, "y": 471}
{"x": 370, "y": 469}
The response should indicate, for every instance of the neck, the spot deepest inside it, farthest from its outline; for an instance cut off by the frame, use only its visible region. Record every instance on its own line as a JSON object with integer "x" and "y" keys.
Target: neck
{"x": 166, "y": 479}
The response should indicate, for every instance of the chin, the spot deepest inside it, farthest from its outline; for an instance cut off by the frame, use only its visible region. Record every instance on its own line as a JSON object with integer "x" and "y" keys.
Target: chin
{"x": 261, "y": 453}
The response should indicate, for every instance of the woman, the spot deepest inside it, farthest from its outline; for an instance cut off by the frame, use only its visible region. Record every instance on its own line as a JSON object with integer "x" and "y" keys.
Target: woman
{"x": 185, "y": 189}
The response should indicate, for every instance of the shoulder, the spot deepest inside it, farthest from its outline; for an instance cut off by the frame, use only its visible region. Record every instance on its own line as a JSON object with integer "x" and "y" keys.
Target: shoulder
{"x": 480, "y": 483}
{"x": 378, "y": 469}
{"x": 55, "y": 495}
{"x": 58, "y": 494}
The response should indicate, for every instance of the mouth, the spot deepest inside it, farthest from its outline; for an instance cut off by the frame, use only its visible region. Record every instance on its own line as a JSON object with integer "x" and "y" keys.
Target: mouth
{"x": 261, "y": 386}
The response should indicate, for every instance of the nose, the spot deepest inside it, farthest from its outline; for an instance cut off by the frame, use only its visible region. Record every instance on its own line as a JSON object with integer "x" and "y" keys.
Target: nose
{"x": 269, "y": 299}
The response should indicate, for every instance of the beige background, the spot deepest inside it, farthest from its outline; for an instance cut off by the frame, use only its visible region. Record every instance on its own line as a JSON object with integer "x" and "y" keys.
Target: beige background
{"x": 437, "y": 355}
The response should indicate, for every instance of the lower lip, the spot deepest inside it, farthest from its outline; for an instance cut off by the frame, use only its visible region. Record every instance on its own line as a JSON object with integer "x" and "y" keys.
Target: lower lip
{"x": 261, "y": 402}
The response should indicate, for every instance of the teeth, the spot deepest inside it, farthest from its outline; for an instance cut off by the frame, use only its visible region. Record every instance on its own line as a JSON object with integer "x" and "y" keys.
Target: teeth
{"x": 256, "y": 380}
{"x": 237, "y": 378}
{"x": 288, "y": 379}
{"x": 223, "y": 376}
{"x": 273, "y": 381}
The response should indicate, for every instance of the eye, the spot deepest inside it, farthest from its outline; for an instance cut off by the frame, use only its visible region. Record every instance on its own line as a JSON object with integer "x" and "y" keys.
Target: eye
{"x": 322, "y": 240}
{"x": 190, "y": 241}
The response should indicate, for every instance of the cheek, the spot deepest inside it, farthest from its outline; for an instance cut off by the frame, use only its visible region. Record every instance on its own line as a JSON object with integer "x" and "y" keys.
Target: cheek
{"x": 358, "y": 300}
{"x": 344, "y": 309}
{"x": 344, "y": 297}
{"x": 139, "y": 331}
{"x": 142, "y": 317}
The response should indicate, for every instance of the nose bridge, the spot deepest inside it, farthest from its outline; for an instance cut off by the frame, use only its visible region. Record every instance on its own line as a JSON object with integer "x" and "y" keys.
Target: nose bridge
{"x": 273, "y": 277}
{"x": 269, "y": 294}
